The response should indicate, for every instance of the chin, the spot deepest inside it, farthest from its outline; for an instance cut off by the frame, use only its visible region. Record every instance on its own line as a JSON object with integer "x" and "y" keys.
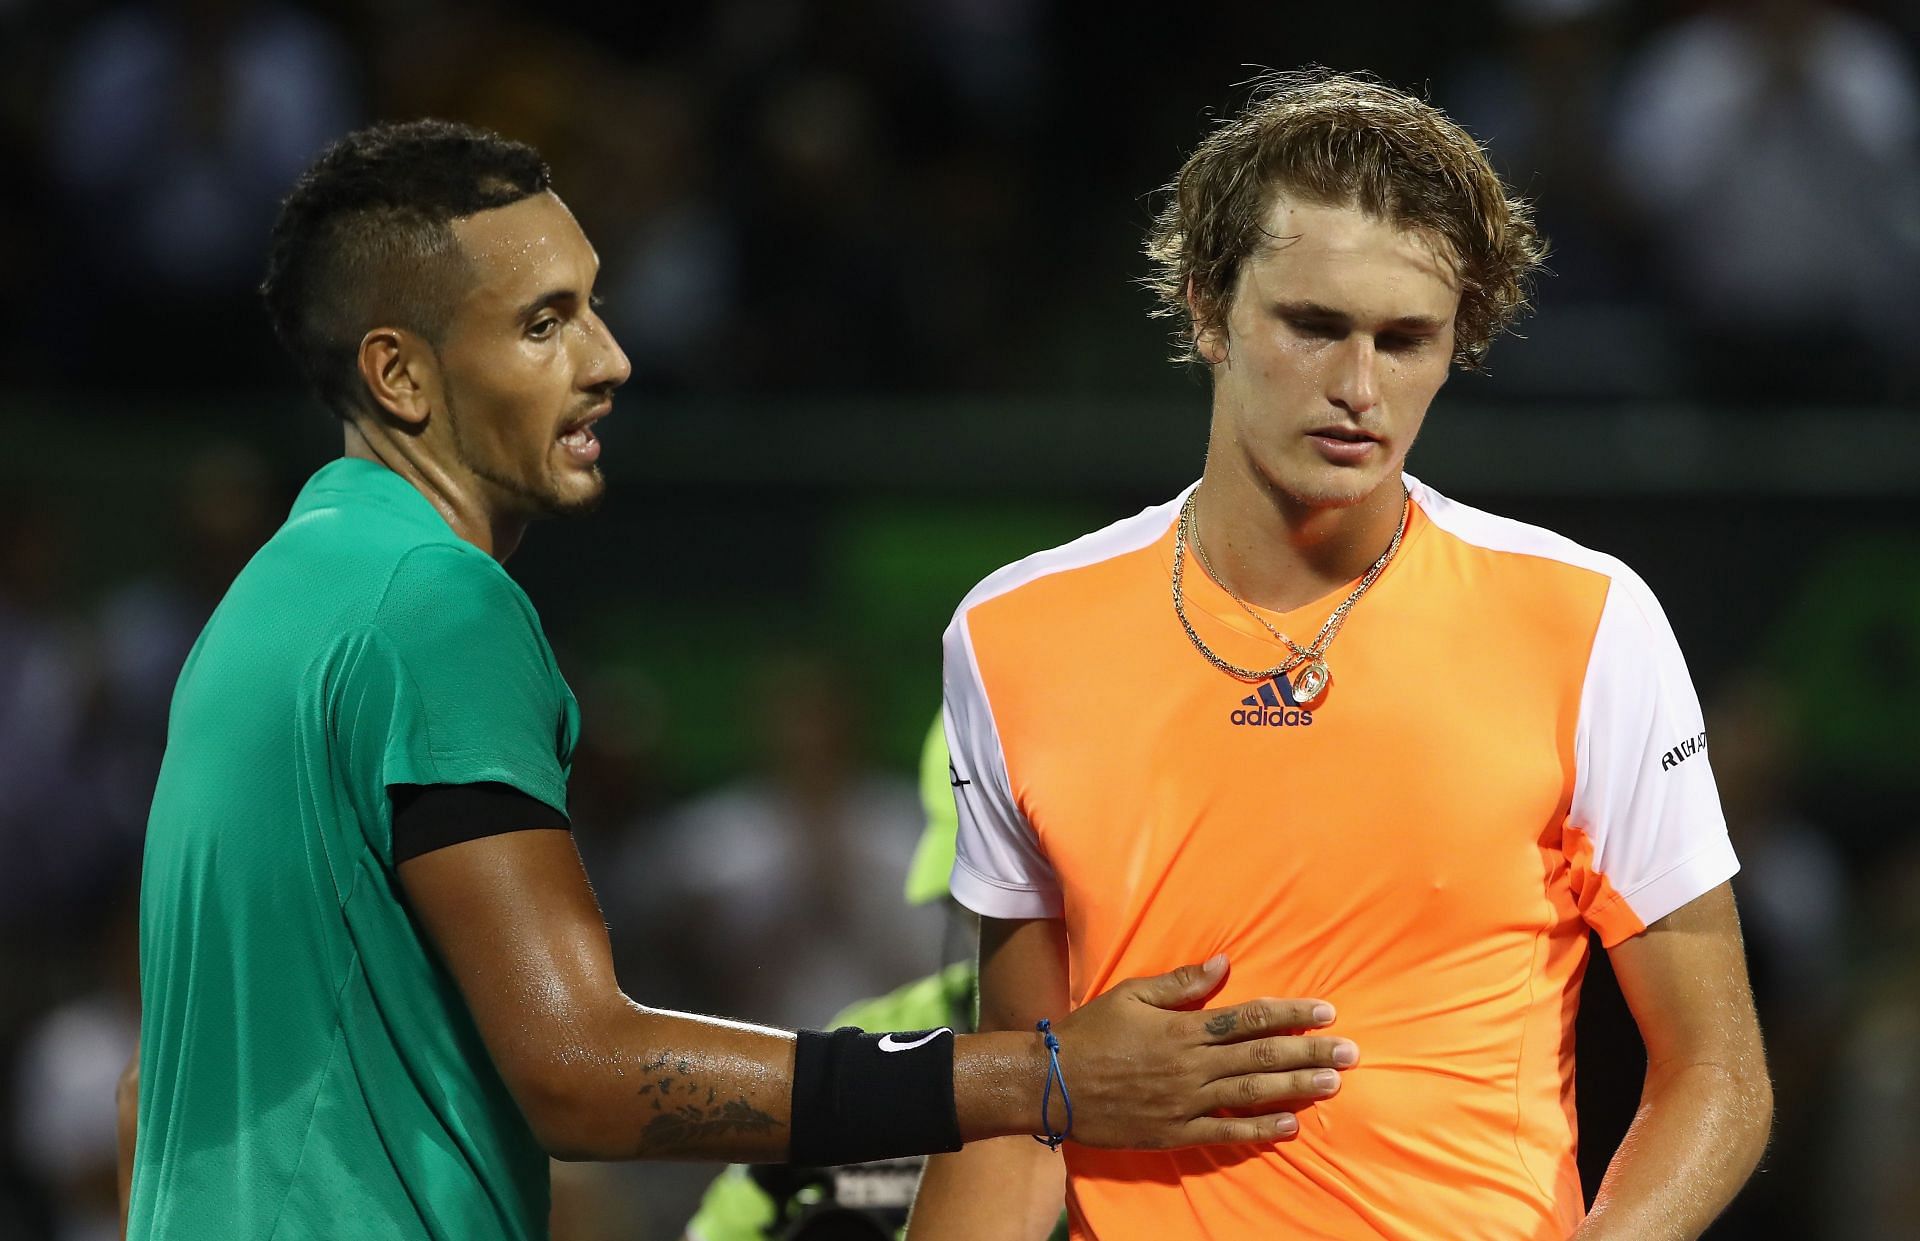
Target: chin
{"x": 575, "y": 497}
{"x": 581, "y": 503}
{"x": 1330, "y": 488}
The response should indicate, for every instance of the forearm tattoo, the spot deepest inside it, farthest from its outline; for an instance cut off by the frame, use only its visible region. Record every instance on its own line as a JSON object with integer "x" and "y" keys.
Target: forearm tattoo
{"x": 692, "y": 1117}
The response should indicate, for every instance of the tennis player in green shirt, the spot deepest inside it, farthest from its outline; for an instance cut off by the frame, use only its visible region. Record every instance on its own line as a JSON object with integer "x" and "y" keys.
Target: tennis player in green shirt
{"x": 377, "y": 989}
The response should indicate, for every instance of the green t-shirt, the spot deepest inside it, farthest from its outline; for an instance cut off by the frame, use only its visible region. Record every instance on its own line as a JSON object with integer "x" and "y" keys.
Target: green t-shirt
{"x": 307, "y": 1067}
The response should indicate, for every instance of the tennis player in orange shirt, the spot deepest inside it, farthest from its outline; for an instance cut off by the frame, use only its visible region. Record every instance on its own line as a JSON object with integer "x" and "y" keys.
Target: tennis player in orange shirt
{"x": 1378, "y": 746}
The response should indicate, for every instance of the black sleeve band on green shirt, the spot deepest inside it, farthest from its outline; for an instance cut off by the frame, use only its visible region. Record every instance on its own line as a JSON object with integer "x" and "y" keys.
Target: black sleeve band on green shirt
{"x": 859, "y": 1096}
{"x": 432, "y": 816}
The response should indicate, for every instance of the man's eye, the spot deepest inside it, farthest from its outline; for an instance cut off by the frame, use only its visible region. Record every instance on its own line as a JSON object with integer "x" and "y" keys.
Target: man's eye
{"x": 1317, "y": 330}
{"x": 1400, "y": 344}
{"x": 543, "y": 328}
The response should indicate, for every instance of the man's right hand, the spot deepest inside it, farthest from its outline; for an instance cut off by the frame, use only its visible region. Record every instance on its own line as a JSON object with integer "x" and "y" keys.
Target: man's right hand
{"x": 1145, "y": 1073}
{"x": 1143, "y": 1069}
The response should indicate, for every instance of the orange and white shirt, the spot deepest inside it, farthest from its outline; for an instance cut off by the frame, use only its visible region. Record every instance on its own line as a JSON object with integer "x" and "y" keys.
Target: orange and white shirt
{"x": 1511, "y": 753}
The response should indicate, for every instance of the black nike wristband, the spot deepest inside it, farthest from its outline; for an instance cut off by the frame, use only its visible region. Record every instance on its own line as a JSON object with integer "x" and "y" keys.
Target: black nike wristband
{"x": 859, "y": 1096}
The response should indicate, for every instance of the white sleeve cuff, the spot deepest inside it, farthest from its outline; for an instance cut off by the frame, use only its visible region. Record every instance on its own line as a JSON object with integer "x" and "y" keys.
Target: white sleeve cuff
{"x": 1697, "y": 875}
{"x": 992, "y": 899}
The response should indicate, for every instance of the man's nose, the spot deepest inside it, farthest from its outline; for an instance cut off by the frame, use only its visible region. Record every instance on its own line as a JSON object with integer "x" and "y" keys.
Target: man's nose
{"x": 1353, "y": 384}
{"x": 608, "y": 366}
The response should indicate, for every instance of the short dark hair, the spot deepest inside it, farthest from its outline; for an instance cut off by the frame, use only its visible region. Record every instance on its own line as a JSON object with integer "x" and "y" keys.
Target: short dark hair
{"x": 366, "y": 239}
{"x": 1341, "y": 140}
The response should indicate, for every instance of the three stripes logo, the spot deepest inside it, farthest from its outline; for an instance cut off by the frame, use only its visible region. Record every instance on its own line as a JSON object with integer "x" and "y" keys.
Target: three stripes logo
{"x": 1271, "y": 706}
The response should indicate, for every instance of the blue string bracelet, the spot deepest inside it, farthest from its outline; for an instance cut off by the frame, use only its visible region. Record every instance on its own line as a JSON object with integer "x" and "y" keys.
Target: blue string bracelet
{"x": 1053, "y": 1139}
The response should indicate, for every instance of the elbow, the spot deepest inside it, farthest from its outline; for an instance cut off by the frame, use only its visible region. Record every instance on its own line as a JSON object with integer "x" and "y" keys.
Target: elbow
{"x": 570, "y": 1117}
{"x": 1746, "y": 1110}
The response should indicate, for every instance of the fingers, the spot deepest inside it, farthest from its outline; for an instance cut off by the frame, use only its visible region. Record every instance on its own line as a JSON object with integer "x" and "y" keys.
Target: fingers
{"x": 1263, "y": 1016}
{"x": 1263, "y": 1092}
{"x": 1182, "y": 986}
{"x": 1211, "y": 1130}
{"x": 1285, "y": 1053}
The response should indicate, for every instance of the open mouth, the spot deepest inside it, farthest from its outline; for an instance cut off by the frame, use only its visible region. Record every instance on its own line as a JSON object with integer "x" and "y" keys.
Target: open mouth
{"x": 579, "y": 440}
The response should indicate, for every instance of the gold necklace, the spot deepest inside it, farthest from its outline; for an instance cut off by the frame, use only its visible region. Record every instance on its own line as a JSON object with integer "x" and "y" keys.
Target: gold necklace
{"x": 1311, "y": 660}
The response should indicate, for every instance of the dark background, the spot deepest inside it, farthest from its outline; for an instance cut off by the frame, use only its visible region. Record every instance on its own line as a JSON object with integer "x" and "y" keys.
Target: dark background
{"x": 876, "y": 266}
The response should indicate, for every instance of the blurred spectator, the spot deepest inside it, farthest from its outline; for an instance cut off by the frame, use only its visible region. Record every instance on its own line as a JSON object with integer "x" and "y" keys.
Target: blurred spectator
{"x": 1794, "y": 903}
{"x": 226, "y": 508}
{"x": 178, "y": 126}
{"x": 175, "y": 126}
{"x": 615, "y": 791}
{"x": 52, "y": 830}
{"x": 1792, "y": 883}
{"x": 1542, "y": 98}
{"x": 1772, "y": 147}
{"x": 777, "y": 897}
{"x": 671, "y": 253}
{"x": 64, "y": 1078}
{"x": 1871, "y": 1134}
{"x": 828, "y": 305}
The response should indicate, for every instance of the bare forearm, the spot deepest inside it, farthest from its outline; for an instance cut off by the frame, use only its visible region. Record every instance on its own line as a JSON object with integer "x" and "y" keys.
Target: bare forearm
{"x": 1696, "y": 1139}
{"x": 664, "y": 1085}
{"x": 676, "y": 1086}
{"x": 996, "y": 1084}
{"x": 1009, "y": 1188}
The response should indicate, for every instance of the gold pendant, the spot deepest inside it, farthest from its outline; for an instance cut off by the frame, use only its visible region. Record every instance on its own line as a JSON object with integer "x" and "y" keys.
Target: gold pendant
{"x": 1310, "y": 683}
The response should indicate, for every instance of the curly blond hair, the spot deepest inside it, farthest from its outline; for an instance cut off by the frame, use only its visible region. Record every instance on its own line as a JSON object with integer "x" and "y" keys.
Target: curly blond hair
{"x": 1339, "y": 140}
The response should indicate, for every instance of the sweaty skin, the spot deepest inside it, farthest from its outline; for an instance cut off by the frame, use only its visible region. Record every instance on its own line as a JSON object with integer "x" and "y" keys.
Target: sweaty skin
{"x": 484, "y": 424}
{"x": 1707, "y": 1102}
{"x": 491, "y": 423}
{"x": 603, "y": 1077}
{"x": 1339, "y": 323}
{"x": 1341, "y": 328}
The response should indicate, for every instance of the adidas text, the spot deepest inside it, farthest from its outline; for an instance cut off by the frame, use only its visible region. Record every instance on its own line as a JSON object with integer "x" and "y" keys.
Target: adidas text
{"x": 1271, "y": 717}
{"x": 1271, "y": 706}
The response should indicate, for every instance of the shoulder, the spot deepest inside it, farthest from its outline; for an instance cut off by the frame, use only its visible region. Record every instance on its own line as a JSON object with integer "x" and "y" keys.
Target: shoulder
{"x": 448, "y": 584}
{"x": 1552, "y": 565}
{"x": 1069, "y": 564}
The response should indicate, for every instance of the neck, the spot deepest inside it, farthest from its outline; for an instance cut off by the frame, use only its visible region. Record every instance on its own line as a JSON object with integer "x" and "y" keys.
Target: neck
{"x": 1281, "y": 553}
{"x": 459, "y": 497}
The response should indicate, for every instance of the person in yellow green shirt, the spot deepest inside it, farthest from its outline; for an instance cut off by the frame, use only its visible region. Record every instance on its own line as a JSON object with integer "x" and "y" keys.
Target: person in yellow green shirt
{"x": 761, "y": 1202}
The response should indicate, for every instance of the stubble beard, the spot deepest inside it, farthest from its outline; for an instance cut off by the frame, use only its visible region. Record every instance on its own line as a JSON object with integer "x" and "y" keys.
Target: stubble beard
{"x": 533, "y": 502}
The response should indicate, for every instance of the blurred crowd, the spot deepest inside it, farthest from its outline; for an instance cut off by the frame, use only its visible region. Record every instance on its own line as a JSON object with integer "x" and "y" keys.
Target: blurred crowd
{"x": 774, "y": 896}
{"x": 946, "y": 195}
{"x": 853, "y": 197}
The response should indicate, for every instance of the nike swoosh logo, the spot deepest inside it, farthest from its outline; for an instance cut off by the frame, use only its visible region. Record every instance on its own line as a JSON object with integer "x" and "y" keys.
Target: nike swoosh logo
{"x": 890, "y": 1043}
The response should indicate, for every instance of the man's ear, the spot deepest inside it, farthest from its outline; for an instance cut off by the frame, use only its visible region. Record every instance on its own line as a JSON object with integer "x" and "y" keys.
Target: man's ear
{"x": 1209, "y": 342}
{"x": 401, "y": 374}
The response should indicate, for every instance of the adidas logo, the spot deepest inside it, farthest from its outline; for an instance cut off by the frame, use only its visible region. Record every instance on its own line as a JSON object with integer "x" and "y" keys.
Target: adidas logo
{"x": 1271, "y": 706}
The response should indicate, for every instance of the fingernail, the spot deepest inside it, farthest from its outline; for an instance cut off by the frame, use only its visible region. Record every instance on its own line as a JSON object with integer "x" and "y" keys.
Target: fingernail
{"x": 1322, "y": 1014}
{"x": 1346, "y": 1055}
{"x": 1216, "y": 961}
{"x": 1286, "y": 1126}
{"x": 1326, "y": 1079}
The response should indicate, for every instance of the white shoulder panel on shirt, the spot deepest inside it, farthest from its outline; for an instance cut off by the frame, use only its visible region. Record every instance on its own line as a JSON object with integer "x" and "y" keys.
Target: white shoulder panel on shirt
{"x": 1129, "y": 534}
{"x": 1643, "y": 793}
{"x": 999, "y": 870}
{"x": 1504, "y": 534}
